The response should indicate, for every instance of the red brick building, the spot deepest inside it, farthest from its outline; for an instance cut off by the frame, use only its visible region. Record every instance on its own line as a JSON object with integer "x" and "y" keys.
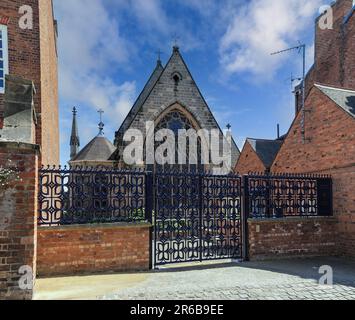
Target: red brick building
{"x": 328, "y": 146}
{"x": 258, "y": 155}
{"x": 329, "y": 149}
{"x": 334, "y": 52}
{"x": 32, "y": 55}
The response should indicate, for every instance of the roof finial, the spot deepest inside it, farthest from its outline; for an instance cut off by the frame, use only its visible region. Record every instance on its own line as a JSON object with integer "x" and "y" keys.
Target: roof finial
{"x": 176, "y": 40}
{"x": 101, "y": 124}
{"x": 229, "y": 126}
{"x": 159, "y": 52}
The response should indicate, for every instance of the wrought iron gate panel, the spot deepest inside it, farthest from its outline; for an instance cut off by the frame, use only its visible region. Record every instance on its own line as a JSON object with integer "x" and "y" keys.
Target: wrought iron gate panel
{"x": 79, "y": 195}
{"x": 196, "y": 217}
{"x": 221, "y": 217}
{"x": 278, "y": 196}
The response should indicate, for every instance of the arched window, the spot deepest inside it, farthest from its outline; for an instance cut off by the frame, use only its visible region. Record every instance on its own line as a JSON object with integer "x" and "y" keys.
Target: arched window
{"x": 175, "y": 121}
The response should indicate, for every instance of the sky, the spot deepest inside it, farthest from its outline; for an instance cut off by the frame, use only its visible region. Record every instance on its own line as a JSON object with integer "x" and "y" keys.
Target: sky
{"x": 108, "y": 49}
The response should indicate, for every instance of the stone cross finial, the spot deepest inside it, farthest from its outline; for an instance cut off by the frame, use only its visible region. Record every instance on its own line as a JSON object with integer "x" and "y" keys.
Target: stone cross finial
{"x": 101, "y": 124}
{"x": 176, "y": 40}
{"x": 159, "y": 54}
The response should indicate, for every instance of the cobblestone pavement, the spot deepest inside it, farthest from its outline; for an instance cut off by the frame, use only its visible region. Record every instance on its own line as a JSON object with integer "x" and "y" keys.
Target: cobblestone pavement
{"x": 280, "y": 280}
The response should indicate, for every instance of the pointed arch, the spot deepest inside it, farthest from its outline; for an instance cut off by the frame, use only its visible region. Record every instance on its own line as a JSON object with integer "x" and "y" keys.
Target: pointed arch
{"x": 181, "y": 109}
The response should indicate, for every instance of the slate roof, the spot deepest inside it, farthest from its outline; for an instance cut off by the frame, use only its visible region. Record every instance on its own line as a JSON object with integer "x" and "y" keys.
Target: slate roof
{"x": 349, "y": 15}
{"x": 98, "y": 149}
{"x": 266, "y": 150}
{"x": 343, "y": 98}
{"x": 142, "y": 97}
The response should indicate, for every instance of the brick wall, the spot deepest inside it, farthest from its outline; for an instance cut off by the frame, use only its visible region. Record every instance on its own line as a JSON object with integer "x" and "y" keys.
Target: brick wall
{"x": 49, "y": 84}
{"x": 32, "y": 55}
{"x": 344, "y": 207}
{"x": 24, "y": 47}
{"x": 334, "y": 53}
{"x": 249, "y": 161}
{"x": 18, "y": 222}
{"x": 333, "y": 59}
{"x": 93, "y": 248}
{"x": 292, "y": 237}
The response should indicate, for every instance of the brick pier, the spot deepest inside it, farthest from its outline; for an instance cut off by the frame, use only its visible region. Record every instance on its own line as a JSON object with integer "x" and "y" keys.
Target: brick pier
{"x": 18, "y": 219}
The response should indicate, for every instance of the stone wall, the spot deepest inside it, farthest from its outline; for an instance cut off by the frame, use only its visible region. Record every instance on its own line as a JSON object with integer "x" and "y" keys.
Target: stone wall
{"x": 18, "y": 219}
{"x": 71, "y": 250}
{"x": 292, "y": 237}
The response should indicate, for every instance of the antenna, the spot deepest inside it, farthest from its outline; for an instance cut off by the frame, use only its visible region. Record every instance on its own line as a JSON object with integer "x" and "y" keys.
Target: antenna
{"x": 292, "y": 79}
{"x": 300, "y": 48}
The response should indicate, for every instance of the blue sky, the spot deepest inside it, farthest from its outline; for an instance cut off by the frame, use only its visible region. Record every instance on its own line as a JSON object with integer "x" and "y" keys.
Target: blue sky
{"x": 107, "y": 51}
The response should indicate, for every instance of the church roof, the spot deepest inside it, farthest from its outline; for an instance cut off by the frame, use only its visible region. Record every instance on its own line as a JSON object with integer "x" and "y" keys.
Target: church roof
{"x": 266, "y": 150}
{"x": 98, "y": 149}
{"x": 142, "y": 97}
{"x": 343, "y": 98}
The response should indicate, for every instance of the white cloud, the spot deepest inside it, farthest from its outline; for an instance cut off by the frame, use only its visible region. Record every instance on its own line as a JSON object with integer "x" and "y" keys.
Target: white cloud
{"x": 260, "y": 28}
{"x": 150, "y": 14}
{"x": 89, "y": 45}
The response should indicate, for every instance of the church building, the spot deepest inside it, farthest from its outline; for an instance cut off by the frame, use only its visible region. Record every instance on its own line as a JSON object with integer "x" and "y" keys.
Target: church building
{"x": 171, "y": 100}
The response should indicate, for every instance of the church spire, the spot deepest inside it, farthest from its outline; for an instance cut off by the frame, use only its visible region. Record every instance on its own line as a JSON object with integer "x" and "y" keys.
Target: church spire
{"x": 74, "y": 138}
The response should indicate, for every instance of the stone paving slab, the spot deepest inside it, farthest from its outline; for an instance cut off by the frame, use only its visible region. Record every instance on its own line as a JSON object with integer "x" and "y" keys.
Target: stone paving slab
{"x": 269, "y": 280}
{"x": 276, "y": 280}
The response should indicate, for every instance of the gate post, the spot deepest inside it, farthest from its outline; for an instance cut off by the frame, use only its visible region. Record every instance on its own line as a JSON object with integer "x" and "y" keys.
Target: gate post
{"x": 149, "y": 205}
{"x": 200, "y": 209}
{"x": 245, "y": 217}
{"x": 149, "y": 196}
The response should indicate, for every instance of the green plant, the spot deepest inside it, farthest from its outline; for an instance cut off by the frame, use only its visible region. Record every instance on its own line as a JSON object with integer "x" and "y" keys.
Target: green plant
{"x": 8, "y": 174}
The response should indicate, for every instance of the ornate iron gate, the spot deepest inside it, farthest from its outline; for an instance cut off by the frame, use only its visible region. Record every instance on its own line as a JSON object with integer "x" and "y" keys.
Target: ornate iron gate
{"x": 197, "y": 217}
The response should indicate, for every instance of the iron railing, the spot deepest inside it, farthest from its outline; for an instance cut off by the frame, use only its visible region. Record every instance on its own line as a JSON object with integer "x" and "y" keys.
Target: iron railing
{"x": 90, "y": 195}
{"x": 287, "y": 195}
{"x": 97, "y": 195}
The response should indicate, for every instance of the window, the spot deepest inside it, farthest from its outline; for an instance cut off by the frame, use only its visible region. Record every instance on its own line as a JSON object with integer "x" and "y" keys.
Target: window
{"x": 4, "y": 63}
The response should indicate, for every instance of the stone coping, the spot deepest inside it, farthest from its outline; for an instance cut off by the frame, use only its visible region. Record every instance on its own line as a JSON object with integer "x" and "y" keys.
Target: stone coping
{"x": 20, "y": 146}
{"x": 119, "y": 225}
{"x": 291, "y": 219}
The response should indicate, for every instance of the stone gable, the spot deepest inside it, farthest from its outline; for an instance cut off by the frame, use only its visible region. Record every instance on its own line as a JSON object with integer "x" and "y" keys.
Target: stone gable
{"x": 166, "y": 92}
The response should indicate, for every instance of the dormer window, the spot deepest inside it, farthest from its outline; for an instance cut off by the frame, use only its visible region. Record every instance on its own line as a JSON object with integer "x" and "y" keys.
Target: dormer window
{"x": 4, "y": 60}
